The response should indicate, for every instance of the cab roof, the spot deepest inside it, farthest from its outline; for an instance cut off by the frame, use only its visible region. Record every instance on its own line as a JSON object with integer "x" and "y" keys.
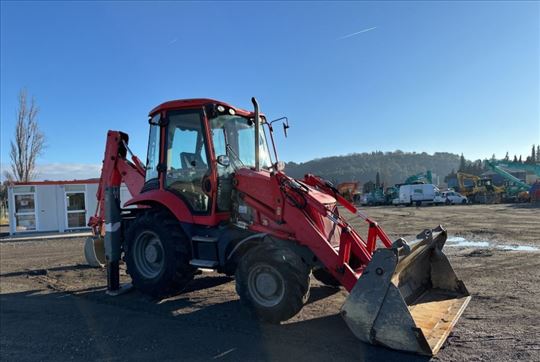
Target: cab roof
{"x": 195, "y": 103}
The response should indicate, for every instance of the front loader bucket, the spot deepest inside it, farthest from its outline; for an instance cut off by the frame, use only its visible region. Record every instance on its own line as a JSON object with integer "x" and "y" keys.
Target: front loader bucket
{"x": 408, "y": 303}
{"x": 94, "y": 252}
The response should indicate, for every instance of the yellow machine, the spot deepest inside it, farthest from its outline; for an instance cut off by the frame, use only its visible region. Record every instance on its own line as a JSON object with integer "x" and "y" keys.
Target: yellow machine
{"x": 482, "y": 190}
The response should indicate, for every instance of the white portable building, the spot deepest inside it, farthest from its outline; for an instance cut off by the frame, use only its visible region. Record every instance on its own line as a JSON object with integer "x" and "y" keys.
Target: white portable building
{"x": 48, "y": 206}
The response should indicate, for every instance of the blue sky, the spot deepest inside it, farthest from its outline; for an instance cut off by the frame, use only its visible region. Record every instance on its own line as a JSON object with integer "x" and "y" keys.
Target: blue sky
{"x": 418, "y": 76}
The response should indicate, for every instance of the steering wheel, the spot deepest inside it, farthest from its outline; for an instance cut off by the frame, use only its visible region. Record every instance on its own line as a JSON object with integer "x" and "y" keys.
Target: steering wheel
{"x": 206, "y": 185}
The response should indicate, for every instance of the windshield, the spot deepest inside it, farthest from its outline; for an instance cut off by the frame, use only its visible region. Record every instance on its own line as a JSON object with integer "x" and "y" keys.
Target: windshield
{"x": 234, "y": 136}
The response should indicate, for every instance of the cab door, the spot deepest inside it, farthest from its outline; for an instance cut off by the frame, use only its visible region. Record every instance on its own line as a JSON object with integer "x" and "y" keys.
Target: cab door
{"x": 187, "y": 158}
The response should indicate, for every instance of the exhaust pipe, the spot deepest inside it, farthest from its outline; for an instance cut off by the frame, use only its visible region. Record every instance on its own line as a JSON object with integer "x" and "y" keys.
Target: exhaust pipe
{"x": 257, "y": 131}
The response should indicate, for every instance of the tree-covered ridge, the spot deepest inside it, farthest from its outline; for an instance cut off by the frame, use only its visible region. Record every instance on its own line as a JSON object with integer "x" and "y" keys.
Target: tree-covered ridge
{"x": 393, "y": 167}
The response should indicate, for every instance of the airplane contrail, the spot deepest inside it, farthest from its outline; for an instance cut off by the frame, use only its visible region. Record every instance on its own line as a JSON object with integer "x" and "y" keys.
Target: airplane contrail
{"x": 358, "y": 32}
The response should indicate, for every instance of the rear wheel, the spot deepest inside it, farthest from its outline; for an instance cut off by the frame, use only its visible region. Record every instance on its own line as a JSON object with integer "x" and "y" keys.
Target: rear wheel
{"x": 158, "y": 254}
{"x": 273, "y": 282}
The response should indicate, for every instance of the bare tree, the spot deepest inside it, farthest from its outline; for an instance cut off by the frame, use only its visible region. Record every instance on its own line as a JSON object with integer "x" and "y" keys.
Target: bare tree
{"x": 29, "y": 141}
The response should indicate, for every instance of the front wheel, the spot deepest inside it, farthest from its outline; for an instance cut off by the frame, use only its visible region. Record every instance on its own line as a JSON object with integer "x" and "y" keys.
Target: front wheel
{"x": 273, "y": 282}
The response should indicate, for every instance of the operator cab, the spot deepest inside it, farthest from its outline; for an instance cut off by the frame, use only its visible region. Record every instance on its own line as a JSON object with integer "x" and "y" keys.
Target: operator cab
{"x": 194, "y": 148}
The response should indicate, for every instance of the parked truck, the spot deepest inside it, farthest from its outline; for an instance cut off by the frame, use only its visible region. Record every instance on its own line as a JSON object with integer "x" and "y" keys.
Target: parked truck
{"x": 417, "y": 194}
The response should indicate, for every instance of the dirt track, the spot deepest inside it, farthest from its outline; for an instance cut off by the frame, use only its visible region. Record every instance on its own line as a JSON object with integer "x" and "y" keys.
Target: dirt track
{"x": 54, "y": 308}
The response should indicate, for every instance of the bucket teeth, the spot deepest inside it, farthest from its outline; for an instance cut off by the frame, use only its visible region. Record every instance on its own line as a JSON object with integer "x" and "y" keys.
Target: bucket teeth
{"x": 409, "y": 303}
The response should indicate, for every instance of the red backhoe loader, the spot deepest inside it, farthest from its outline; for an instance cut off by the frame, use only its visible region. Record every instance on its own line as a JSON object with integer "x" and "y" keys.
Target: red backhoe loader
{"x": 212, "y": 196}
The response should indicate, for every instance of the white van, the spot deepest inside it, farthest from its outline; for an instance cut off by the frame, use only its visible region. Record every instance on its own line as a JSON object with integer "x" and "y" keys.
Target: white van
{"x": 417, "y": 194}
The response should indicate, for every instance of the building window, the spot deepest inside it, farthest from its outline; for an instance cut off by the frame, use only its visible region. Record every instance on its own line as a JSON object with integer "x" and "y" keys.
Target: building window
{"x": 25, "y": 209}
{"x": 75, "y": 206}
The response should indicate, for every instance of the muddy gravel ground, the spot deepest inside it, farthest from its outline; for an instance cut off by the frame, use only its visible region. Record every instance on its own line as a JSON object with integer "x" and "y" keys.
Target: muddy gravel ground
{"x": 53, "y": 307}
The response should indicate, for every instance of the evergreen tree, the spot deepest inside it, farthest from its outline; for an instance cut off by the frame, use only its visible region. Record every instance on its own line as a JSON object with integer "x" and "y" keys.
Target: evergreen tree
{"x": 520, "y": 159}
{"x": 515, "y": 158}
{"x": 507, "y": 157}
{"x": 451, "y": 175}
{"x": 537, "y": 153}
{"x": 533, "y": 155}
{"x": 378, "y": 180}
{"x": 479, "y": 167}
{"x": 462, "y": 164}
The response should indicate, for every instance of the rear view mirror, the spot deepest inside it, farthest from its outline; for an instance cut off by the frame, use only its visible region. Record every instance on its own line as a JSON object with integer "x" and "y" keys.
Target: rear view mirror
{"x": 223, "y": 160}
{"x": 285, "y": 126}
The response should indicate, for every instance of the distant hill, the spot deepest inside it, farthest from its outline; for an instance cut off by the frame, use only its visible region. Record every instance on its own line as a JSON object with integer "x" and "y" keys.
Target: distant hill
{"x": 394, "y": 167}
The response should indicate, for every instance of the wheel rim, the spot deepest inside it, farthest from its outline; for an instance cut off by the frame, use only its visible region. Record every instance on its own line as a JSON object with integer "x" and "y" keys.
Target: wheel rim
{"x": 266, "y": 285}
{"x": 148, "y": 255}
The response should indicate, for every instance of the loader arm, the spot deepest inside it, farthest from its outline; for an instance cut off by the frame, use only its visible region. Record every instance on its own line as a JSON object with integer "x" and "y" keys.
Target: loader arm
{"x": 116, "y": 169}
{"x": 309, "y": 216}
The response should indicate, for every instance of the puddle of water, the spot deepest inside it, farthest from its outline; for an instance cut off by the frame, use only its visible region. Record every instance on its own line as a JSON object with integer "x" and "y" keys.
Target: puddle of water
{"x": 518, "y": 247}
{"x": 458, "y": 241}
{"x": 455, "y": 239}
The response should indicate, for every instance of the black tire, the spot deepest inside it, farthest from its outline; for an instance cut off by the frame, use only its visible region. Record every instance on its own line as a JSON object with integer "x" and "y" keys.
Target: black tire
{"x": 325, "y": 277}
{"x": 464, "y": 202}
{"x": 286, "y": 269}
{"x": 172, "y": 271}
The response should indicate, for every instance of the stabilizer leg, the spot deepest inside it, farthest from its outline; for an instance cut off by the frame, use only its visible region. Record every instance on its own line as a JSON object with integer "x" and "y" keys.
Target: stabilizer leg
{"x": 113, "y": 240}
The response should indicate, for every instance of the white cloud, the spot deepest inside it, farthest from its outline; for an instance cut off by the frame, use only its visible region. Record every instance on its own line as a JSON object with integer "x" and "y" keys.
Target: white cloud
{"x": 63, "y": 171}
